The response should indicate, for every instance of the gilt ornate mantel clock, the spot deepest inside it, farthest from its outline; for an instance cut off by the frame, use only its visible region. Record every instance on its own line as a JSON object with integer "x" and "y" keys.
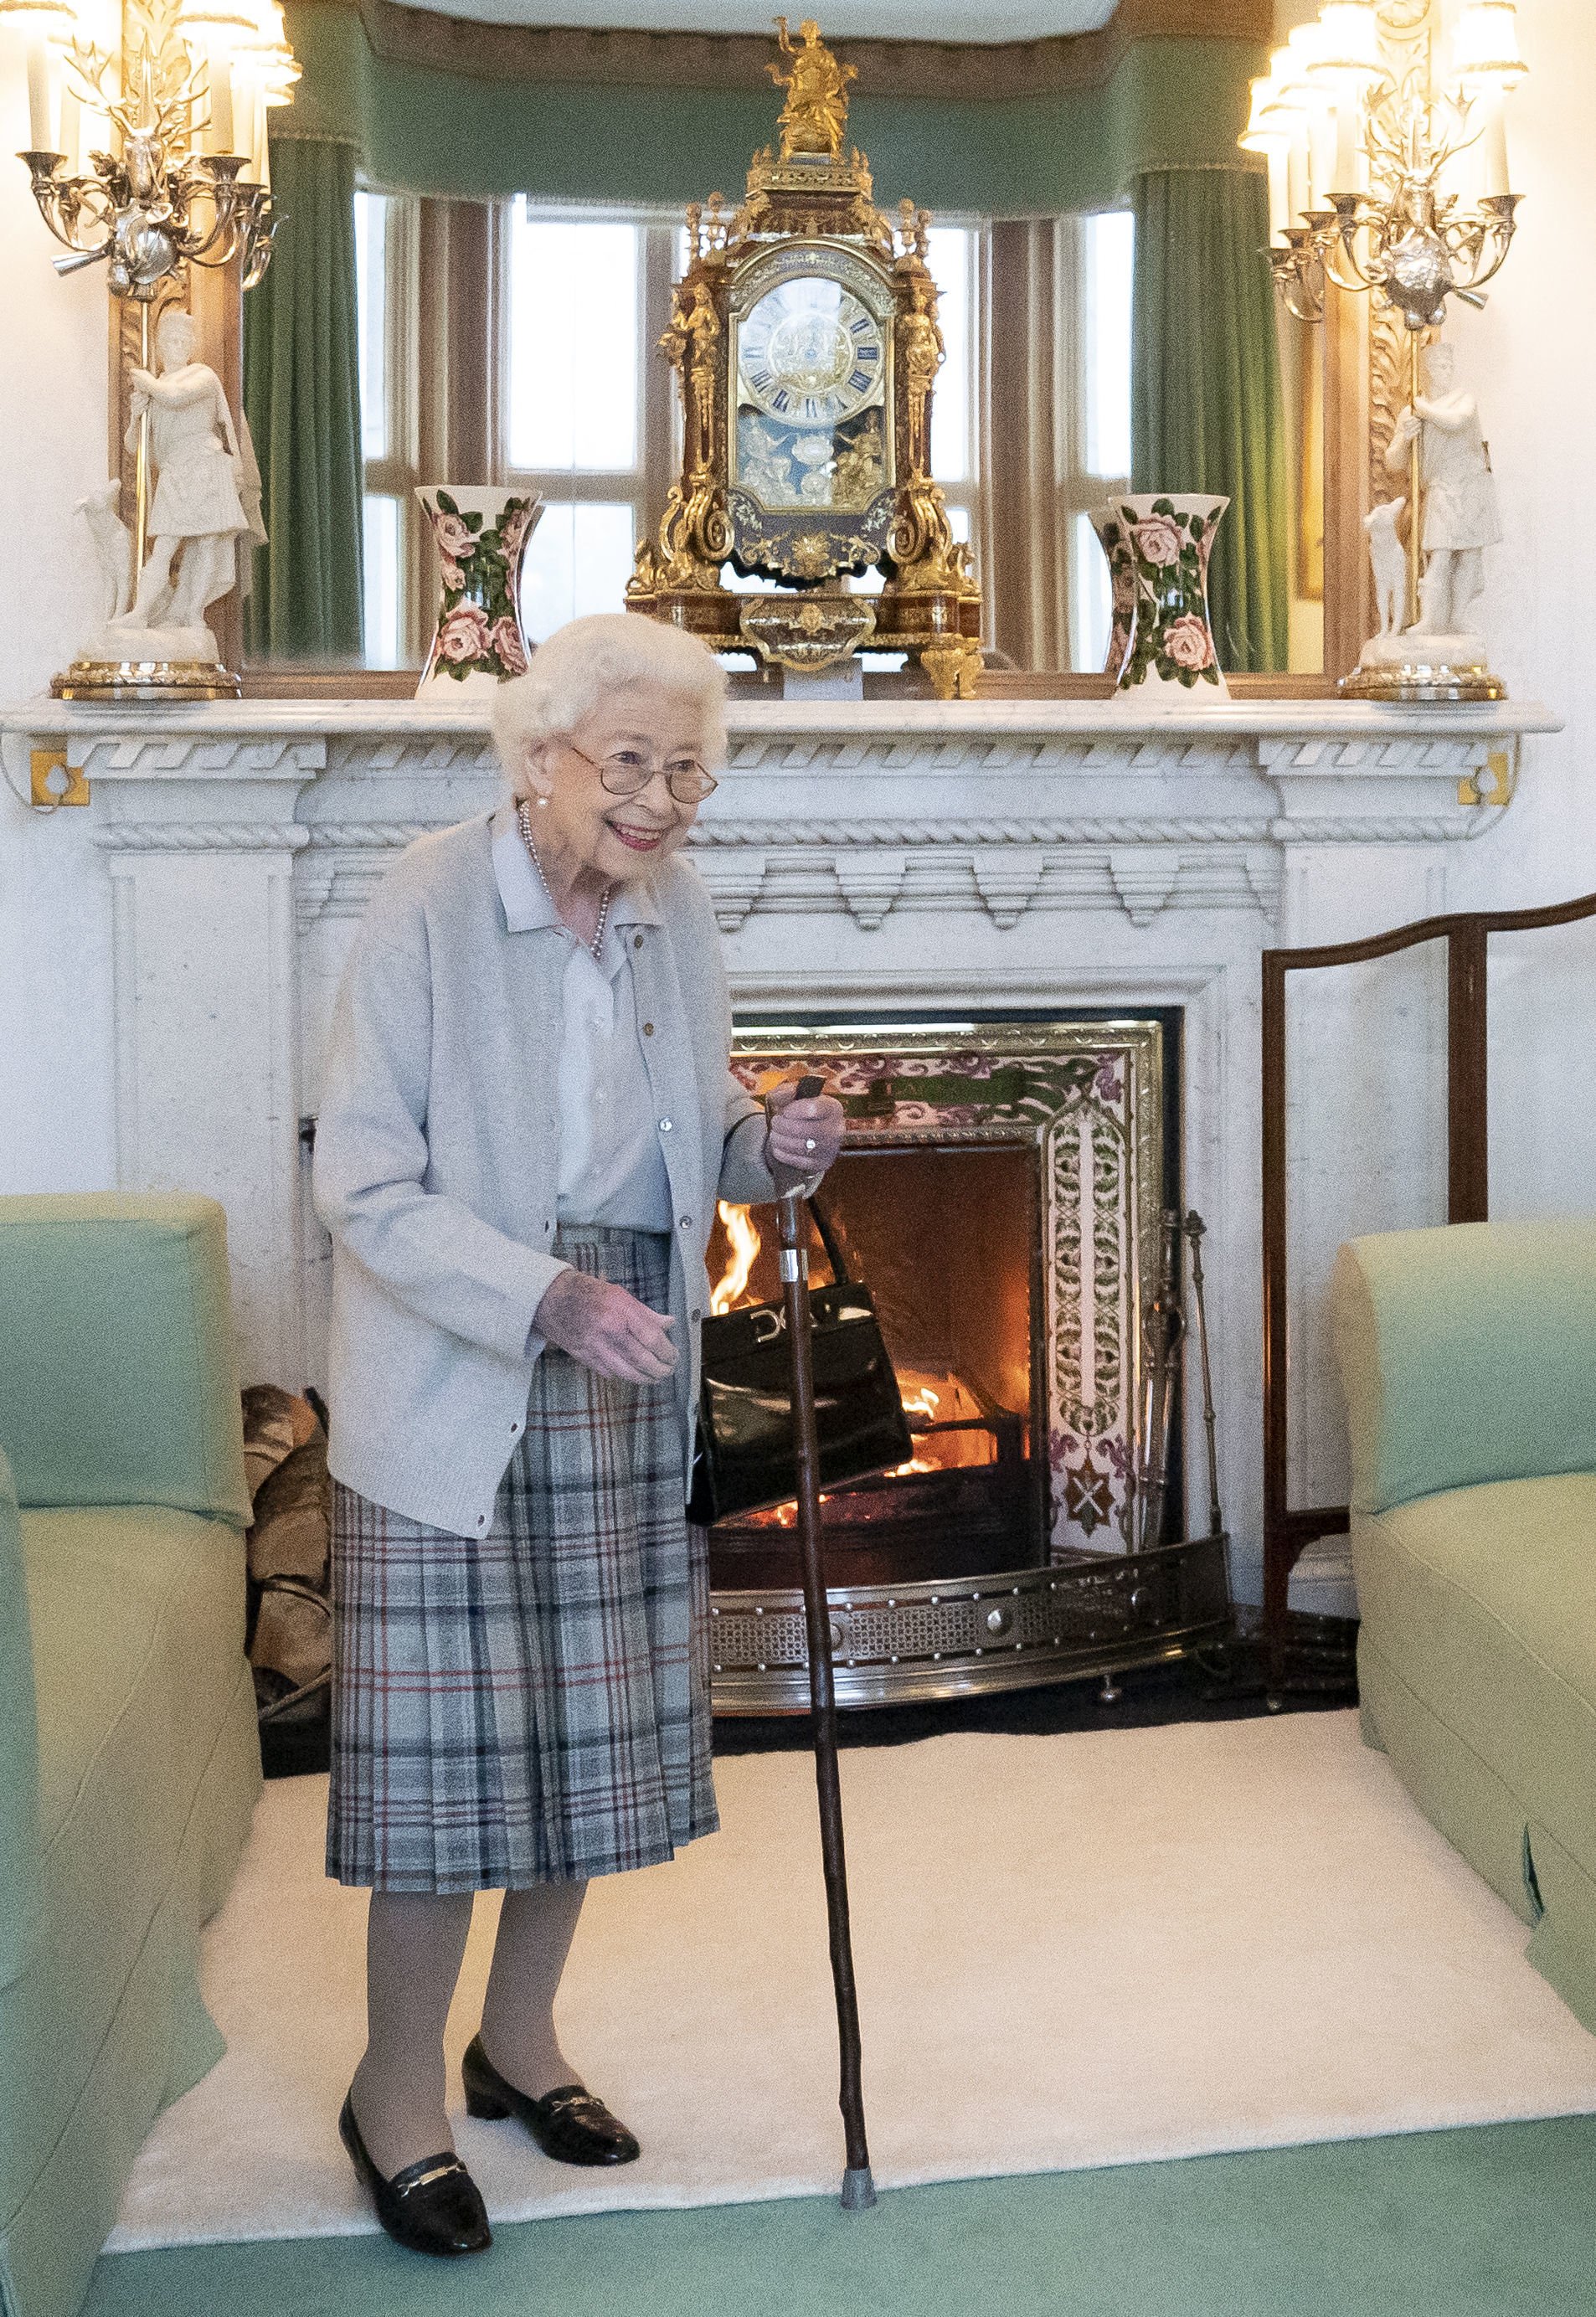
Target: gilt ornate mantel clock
{"x": 804, "y": 338}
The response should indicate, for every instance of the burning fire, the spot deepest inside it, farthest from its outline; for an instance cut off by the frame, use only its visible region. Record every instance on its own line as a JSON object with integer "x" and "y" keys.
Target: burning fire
{"x": 941, "y": 1399}
{"x": 743, "y": 1233}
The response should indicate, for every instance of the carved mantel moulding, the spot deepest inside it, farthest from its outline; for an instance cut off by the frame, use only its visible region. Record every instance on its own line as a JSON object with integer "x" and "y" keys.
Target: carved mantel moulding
{"x": 998, "y": 809}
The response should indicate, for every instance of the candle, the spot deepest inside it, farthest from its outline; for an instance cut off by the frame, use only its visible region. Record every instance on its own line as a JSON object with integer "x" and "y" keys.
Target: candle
{"x": 1320, "y": 156}
{"x": 248, "y": 94}
{"x": 1296, "y": 172}
{"x": 1279, "y": 212}
{"x": 217, "y": 84}
{"x": 1348, "y": 141}
{"x": 44, "y": 128}
{"x": 1492, "y": 113}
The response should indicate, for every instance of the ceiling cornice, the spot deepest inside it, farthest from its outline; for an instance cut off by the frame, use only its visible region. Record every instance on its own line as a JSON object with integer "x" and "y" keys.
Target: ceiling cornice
{"x": 918, "y": 69}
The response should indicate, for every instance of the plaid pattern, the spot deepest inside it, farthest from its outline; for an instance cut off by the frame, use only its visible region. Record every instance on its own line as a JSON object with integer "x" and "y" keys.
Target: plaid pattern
{"x": 532, "y": 1706}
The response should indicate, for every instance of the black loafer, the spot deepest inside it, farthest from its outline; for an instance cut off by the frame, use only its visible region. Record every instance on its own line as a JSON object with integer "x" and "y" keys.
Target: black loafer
{"x": 433, "y": 2206}
{"x": 568, "y": 2124}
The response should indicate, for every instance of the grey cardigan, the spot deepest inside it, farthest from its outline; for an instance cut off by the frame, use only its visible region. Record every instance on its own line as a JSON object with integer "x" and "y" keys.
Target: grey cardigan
{"x": 437, "y": 1158}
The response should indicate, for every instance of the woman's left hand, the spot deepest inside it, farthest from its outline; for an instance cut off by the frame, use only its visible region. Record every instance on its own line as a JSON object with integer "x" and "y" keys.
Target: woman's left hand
{"x": 805, "y": 1135}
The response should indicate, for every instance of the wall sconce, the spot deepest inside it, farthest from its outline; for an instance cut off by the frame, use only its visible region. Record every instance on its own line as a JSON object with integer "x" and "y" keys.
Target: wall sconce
{"x": 148, "y": 154}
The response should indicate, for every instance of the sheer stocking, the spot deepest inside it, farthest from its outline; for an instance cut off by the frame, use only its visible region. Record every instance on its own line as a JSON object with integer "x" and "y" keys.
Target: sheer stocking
{"x": 415, "y": 1945}
{"x": 535, "y": 1931}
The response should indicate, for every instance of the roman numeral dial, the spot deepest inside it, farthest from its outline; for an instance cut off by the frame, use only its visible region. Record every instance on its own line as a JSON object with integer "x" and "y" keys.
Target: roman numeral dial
{"x": 810, "y": 352}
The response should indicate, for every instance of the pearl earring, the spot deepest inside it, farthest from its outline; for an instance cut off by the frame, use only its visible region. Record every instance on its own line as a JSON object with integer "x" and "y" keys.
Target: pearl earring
{"x": 543, "y": 804}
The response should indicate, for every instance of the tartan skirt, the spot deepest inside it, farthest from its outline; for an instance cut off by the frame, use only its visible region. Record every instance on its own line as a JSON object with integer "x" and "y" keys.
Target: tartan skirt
{"x": 531, "y": 1705}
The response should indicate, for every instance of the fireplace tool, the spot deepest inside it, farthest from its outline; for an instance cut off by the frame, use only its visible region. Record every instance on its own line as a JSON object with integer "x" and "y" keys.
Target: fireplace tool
{"x": 1196, "y": 1230}
{"x": 1166, "y": 1336}
{"x": 858, "y": 2188}
{"x": 1165, "y": 1332}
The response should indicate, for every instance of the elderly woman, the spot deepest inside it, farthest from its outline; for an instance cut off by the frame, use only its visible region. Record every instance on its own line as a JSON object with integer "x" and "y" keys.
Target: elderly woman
{"x": 527, "y": 1122}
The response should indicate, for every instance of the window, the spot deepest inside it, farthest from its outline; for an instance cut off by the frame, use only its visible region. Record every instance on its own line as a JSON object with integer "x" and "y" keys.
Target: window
{"x": 1107, "y": 243}
{"x": 384, "y": 240}
{"x": 552, "y": 385}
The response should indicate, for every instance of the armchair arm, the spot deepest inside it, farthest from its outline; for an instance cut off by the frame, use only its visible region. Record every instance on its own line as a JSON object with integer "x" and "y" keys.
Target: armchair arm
{"x": 19, "y": 1749}
{"x": 1467, "y": 1353}
{"x": 119, "y": 1379}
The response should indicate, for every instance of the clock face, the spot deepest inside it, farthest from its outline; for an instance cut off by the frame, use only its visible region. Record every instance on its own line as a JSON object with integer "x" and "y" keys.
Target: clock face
{"x": 810, "y": 354}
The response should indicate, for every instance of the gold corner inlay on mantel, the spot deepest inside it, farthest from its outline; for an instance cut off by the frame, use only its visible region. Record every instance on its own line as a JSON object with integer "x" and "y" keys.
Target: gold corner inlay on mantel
{"x": 43, "y": 764}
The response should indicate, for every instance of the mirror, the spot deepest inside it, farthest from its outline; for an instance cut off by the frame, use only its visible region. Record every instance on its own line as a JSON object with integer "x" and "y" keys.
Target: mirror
{"x": 516, "y": 341}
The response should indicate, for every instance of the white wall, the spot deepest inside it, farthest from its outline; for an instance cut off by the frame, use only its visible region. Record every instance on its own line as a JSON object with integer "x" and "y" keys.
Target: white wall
{"x": 1532, "y": 354}
{"x": 54, "y": 974}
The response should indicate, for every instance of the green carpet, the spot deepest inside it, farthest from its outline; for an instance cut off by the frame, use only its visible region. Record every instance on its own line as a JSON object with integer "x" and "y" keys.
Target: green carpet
{"x": 1491, "y": 2221}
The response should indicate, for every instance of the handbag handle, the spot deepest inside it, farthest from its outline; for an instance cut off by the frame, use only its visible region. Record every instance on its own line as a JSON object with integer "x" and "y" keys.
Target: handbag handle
{"x": 827, "y": 1229}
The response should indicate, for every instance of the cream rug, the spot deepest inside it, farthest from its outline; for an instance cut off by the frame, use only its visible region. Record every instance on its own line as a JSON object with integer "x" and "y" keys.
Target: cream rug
{"x": 1081, "y": 1950}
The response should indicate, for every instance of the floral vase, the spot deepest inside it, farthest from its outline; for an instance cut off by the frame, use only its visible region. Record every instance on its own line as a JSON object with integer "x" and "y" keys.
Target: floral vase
{"x": 1160, "y": 651}
{"x": 481, "y": 534}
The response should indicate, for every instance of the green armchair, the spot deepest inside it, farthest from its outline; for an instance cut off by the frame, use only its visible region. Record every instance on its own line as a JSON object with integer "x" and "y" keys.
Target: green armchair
{"x": 129, "y": 1762}
{"x": 1468, "y": 1359}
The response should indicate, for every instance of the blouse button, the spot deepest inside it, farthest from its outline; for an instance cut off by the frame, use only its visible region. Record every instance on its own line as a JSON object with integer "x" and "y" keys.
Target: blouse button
{"x": 648, "y": 1028}
{"x": 481, "y": 1520}
{"x": 665, "y": 1126}
{"x": 637, "y": 941}
{"x": 686, "y": 1222}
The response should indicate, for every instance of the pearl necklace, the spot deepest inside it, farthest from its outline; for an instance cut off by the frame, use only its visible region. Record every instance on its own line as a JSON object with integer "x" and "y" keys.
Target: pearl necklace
{"x": 596, "y": 945}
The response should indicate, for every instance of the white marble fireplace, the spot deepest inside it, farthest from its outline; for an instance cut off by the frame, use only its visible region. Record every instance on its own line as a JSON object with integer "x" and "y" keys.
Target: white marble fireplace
{"x": 964, "y": 859}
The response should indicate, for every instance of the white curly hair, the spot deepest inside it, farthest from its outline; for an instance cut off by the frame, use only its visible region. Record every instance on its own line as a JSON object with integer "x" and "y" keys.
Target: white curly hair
{"x": 586, "y": 660}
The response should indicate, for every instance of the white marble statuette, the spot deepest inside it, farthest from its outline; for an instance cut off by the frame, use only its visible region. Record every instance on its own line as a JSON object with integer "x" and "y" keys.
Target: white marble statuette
{"x": 1459, "y": 519}
{"x": 204, "y": 512}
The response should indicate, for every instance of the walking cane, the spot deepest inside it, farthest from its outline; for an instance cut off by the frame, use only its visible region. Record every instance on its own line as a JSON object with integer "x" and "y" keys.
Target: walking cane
{"x": 858, "y": 2188}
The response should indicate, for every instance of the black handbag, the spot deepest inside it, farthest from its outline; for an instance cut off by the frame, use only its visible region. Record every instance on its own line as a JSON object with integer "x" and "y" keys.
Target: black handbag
{"x": 746, "y": 1455}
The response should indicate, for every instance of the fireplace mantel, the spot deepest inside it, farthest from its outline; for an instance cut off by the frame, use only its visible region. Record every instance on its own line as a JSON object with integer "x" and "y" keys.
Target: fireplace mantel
{"x": 967, "y": 857}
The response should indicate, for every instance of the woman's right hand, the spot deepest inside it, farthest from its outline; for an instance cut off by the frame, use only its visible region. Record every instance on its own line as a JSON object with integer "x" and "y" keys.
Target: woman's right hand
{"x": 604, "y": 1328}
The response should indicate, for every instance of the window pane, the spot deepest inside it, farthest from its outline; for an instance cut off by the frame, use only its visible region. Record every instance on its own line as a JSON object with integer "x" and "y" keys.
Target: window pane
{"x": 1090, "y": 598}
{"x": 573, "y": 313}
{"x": 384, "y": 592}
{"x": 1110, "y": 253}
{"x": 580, "y": 561}
{"x": 371, "y": 291}
{"x": 950, "y": 254}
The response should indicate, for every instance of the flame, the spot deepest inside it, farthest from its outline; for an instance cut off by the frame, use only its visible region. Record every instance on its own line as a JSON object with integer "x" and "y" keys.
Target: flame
{"x": 743, "y": 1234}
{"x": 938, "y": 1398}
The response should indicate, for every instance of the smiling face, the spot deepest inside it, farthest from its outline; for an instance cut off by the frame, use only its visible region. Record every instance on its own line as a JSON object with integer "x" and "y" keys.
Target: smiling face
{"x": 616, "y": 837}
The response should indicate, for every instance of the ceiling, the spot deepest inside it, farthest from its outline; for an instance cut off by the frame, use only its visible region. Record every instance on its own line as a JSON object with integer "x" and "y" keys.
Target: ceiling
{"x": 858, "y": 19}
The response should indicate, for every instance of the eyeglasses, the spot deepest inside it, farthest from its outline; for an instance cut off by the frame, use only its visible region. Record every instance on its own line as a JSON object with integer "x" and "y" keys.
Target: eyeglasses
{"x": 627, "y": 772}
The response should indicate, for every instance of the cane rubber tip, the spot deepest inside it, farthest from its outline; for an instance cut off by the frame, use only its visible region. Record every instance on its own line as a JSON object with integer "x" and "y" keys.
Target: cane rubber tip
{"x": 858, "y": 2190}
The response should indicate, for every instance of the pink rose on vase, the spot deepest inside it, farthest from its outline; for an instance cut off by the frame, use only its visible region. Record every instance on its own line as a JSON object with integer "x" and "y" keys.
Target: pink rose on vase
{"x": 453, "y": 537}
{"x": 1158, "y": 541}
{"x": 505, "y": 639}
{"x": 464, "y": 633}
{"x": 1187, "y": 642}
{"x": 512, "y": 530}
{"x": 454, "y": 576}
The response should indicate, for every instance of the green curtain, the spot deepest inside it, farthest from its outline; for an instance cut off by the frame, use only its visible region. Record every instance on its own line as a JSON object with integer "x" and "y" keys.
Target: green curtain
{"x": 301, "y": 391}
{"x": 1206, "y": 412}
